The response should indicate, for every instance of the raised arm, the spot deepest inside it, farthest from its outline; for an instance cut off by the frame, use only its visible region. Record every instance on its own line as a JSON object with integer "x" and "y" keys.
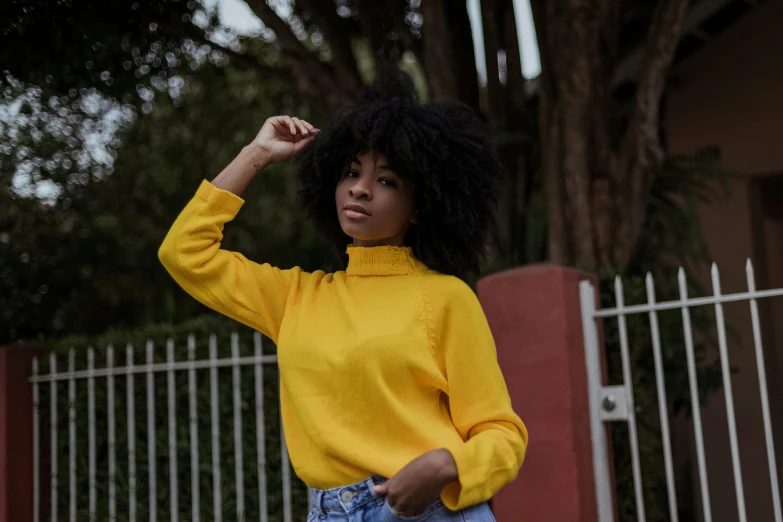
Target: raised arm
{"x": 254, "y": 294}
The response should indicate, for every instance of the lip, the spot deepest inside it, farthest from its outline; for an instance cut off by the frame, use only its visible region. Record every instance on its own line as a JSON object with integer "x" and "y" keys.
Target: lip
{"x": 356, "y": 211}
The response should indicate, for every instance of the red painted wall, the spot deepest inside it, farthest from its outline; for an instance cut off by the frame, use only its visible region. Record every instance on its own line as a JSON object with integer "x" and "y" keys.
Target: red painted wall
{"x": 535, "y": 319}
{"x": 16, "y": 433}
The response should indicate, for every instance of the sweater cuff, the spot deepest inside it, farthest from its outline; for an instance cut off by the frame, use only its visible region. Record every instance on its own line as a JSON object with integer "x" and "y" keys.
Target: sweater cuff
{"x": 215, "y": 197}
{"x": 453, "y": 495}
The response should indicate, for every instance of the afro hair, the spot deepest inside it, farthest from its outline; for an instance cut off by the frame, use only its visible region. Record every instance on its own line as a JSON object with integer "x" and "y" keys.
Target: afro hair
{"x": 442, "y": 149}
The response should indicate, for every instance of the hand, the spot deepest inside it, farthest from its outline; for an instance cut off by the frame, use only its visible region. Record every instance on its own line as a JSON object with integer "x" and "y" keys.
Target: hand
{"x": 419, "y": 484}
{"x": 283, "y": 137}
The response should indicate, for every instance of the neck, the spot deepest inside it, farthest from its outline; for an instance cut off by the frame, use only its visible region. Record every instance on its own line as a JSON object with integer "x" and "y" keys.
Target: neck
{"x": 382, "y": 260}
{"x": 394, "y": 241}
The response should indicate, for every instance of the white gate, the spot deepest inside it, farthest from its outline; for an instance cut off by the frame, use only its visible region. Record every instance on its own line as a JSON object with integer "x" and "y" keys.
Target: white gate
{"x": 616, "y": 403}
{"x": 162, "y": 500}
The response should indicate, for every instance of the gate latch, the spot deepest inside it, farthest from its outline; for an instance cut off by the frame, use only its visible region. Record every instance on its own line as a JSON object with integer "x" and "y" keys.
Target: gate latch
{"x": 614, "y": 403}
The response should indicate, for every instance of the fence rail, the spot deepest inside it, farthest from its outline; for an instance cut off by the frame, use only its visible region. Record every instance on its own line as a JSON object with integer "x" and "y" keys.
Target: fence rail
{"x": 104, "y": 379}
{"x": 153, "y": 368}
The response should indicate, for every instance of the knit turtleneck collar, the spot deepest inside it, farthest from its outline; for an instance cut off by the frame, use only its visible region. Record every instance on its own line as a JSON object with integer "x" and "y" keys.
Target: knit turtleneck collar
{"x": 382, "y": 261}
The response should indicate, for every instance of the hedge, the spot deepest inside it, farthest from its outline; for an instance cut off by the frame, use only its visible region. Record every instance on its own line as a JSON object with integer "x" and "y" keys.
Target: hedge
{"x": 201, "y": 328}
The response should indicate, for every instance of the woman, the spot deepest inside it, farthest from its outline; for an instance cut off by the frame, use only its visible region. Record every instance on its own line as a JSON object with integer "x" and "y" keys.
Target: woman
{"x": 393, "y": 403}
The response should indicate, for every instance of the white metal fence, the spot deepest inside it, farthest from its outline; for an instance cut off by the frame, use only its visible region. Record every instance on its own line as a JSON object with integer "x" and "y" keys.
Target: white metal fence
{"x": 616, "y": 403}
{"x": 106, "y": 380}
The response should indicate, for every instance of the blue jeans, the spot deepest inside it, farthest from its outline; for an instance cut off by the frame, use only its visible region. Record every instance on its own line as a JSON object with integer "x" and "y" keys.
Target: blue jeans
{"x": 359, "y": 503}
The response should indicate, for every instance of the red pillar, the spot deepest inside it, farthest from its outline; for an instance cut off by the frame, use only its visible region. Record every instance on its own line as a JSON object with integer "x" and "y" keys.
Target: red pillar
{"x": 16, "y": 433}
{"x": 535, "y": 318}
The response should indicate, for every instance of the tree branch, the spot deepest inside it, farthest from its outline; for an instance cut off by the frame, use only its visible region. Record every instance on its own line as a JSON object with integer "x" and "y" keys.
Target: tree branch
{"x": 489, "y": 23}
{"x": 312, "y": 76}
{"x": 285, "y": 35}
{"x": 243, "y": 60}
{"x": 662, "y": 42}
{"x": 464, "y": 56}
{"x": 330, "y": 24}
{"x": 643, "y": 153}
{"x": 541, "y": 14}
{"x": 437, "y": 54}
{"x": 515, "y": 81}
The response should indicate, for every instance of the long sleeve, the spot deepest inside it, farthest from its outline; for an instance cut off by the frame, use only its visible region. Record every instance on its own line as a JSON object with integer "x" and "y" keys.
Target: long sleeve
{"x": 495, "y": 437}
{"x": 254, "y": 294}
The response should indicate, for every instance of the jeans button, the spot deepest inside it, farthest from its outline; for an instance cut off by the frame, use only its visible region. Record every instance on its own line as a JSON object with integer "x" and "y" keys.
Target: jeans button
{"x": 346, "y": 496}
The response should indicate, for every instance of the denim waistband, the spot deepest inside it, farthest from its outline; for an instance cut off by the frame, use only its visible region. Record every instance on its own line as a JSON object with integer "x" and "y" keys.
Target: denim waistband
{"x": 345, "y": 499}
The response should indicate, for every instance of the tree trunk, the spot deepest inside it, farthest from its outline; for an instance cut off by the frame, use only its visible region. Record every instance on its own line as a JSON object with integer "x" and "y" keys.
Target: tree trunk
{"x": 461, "y": 44}
{"x": 595, "y": 179}
{"x": 435, "y": 50}
{"x": 447, "y": 52}
{"x": 506, "y": 108}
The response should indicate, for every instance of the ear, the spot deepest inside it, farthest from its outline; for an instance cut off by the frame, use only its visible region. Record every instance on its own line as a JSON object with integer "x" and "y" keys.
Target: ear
{"x": 415, "y": 218}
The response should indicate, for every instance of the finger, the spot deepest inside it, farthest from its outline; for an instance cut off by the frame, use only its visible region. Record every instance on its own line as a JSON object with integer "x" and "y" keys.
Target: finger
{"x": 309, "y": 126}
{"x": 280, "y": 126}
{"x": 283, "y": 126}
{"x": 381, "y": 488}
{"x": 291, "y": 126}
{"x": 301, "y": 126}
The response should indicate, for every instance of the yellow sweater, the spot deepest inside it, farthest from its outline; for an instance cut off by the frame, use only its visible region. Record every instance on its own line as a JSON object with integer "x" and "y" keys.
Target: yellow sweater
{"x": 379, "y": 364}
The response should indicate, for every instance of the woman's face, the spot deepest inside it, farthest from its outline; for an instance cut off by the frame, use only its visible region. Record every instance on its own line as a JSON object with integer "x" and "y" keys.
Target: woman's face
{"x": 375, "y": 206}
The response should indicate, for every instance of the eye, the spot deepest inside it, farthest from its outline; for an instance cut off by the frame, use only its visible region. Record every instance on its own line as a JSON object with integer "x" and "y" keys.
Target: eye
{"x": 388, "y": 182}
{"x": 352, "y": 173}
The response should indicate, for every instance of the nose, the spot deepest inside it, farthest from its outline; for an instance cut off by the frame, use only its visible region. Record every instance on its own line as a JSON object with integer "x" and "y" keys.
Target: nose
{"x": 360, "y": 190}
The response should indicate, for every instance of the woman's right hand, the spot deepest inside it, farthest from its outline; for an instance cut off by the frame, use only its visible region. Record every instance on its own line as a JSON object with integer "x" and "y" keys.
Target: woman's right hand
{"x": 283, "y": 137}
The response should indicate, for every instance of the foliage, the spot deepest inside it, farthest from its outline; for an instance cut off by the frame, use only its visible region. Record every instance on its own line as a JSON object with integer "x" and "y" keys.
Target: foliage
{"x": 136, "y": 52}
{"x": 201, "y": 328}
{"x": 87, "y": 260}
{"x": 114, "y": 46}
{"x": 672, "y": 235}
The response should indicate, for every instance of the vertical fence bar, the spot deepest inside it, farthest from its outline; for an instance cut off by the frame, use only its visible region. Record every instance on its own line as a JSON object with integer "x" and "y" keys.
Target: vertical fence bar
{"x": 131, "y": 435}
{"x": 71, "y": 435}
{"x": 627, "y": 378}
{"x": 726, "y": 370}
{"x": 36, "y": 448}
{"x": 286, "y": 472}
{"x": 260, "y": 434}
{"x": 237, "y": 428}
{"x": 91, "y": 428}
{"x": 694, "y": 389}
{"x": 663, "y": 408}
{"x": 773, "y": 472}
{"x": 112, "y": 438}
{"x": 286, "y": 476}
{"x": 173, "y": 493}
{"x": 213, "y": 391}
{"x": 53, "y": 434}
{"x": 152, "y": 473}
{"x": 601, "y": 473}
{"x": 194, "y": 475}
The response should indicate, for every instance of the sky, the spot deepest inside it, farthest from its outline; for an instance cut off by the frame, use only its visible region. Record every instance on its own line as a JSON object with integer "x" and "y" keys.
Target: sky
{"x": 236, "y": 15}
